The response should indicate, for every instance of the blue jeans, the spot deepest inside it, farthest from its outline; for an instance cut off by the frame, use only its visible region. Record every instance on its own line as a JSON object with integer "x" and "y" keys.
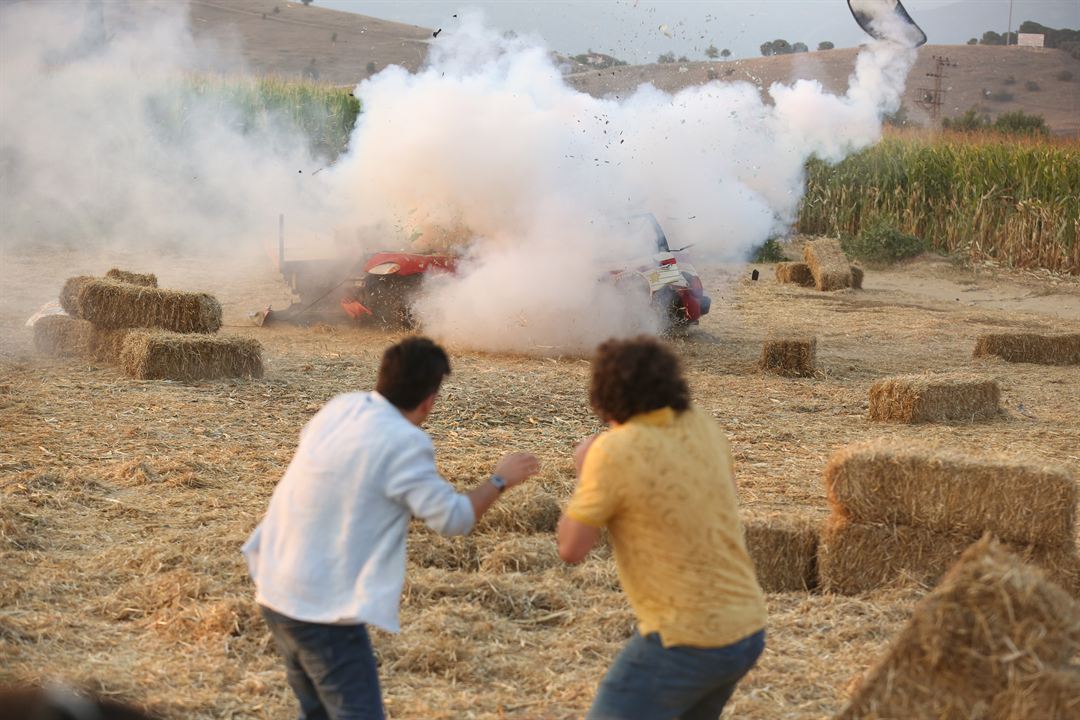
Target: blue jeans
{"x": 650, "y": 682}
{"x": 331, "y": 668}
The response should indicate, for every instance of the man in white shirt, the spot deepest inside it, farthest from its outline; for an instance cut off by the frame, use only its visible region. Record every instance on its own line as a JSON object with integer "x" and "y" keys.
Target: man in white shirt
{"x": 328, "y": 558}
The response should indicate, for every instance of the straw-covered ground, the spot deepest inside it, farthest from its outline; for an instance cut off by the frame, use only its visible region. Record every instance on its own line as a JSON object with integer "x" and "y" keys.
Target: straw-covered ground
{"x": 123, "y": 503}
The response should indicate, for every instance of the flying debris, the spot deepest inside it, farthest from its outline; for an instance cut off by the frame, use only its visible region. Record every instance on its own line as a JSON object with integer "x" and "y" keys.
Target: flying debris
{"x": 887, "y": 20}
{"x": 666, "y": 31}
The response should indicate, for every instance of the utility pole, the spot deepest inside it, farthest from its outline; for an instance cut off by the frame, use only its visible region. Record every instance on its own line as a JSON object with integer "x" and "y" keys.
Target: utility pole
{"x": 931, "y": 99}
{"x": 1008, "y": 33}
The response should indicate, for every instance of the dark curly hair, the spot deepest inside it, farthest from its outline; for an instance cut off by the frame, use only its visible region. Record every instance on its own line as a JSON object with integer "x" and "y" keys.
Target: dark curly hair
{"x": 411, "y": 371}
{"x": 635, "y": 376}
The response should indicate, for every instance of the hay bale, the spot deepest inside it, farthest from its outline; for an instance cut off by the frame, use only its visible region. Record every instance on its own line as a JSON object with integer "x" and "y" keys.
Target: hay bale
{"x": 62, "y": 336}
{"x": 526, "y": 509}
{"x": 784, "y": 551}
{"x": 828, "y": 264}
{"x": 890, "y": 483}
{"x": 105, "y": 344}
{"x": 790, "y": 357}
{"x": 1030, "y": 348}
{"x": 993, "y": 640}
{"x": 856, "y": 277}
{"x": 158, "y": 355}
{"x": 857, "y": 557}
{"x": 795, "y": 273}
{"x": 69, "y": 294}
{"x": 144, "y": 279}
{"x": 114, "y": 305}
{"x": 934, "y": 398}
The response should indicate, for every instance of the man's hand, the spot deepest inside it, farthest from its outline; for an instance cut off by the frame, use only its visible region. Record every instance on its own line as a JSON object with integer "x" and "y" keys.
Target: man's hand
{"x": 580, "y": 451}
{"x": 516, "y": 467}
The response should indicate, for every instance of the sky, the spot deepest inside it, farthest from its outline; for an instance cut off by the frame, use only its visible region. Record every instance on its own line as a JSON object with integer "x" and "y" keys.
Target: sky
{"x": 639, "y": 30}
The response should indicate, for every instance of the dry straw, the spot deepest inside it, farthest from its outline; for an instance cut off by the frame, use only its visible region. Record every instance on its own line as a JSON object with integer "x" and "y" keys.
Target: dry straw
{"x": 113, "y": 305}
{"x": 526, "y": 509}
{"x": 62, "y": 336}
{"x": 69, "y": 294}
{"x": 858, "y": 557}
{"x": 993, "y": 640}
{"x": 828, "y": 264}
{"x": 132, "y": 278}
{"x": 796, "y": 273}
{"x": 889, "y": 482}
{"x": 105, "y": 345}
{"x": 934, "y": 398}
{"x": 158, "y": 355}
{"x": 790, "y": 357}
{"x": 1030, "y": 348}
{"x": 784, "y": 551}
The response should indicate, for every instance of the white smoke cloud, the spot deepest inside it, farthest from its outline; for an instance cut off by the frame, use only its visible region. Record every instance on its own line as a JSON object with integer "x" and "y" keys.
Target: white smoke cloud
{"x": 105, "y": 143}
{"x": 489, "y": 138}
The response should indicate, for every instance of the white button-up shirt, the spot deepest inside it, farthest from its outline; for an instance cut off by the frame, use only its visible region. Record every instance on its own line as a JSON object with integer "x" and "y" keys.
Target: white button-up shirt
{"x": 331, "y": 548}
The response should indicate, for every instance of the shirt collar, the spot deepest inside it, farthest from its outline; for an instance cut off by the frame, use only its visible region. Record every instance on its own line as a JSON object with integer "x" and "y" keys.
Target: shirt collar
{"x": 659, "y": 418}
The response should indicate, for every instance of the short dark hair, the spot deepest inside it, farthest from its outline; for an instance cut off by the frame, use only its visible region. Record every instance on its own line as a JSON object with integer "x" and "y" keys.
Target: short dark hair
{"x": 411, "y": 371}
{"x": 635, "y": 376}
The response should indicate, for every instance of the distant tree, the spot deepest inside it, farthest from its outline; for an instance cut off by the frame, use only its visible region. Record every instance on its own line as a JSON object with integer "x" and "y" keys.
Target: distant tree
{"x": 371, "y": 68}
{"x": 776, "y": 47}
{"x": 725, "y": 53}
{"x": 825, "y": 45}
{"x": 992, "y": 38}
{"x": 970, "y": 121}
{"x": 973, "y": 41}
{"x": 711, "y": 52}
{"x": 668, "y": 57}
{"x": 307, "y": 2}
{"x": 800, "y": 47}
{"x": 1032, "y": 86}
{"x": 1064, "y": 76}
{"x": 1020, "y": 123}
{"x": 333, "y": 37}
{"x": 683, "y": 58}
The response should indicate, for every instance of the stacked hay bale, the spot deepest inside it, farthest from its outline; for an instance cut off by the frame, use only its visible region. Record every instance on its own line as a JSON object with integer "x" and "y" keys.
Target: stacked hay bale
{"x": 790, "y": 357}
{"x": 152, "y": 333}
{"x": 828, "y": 264}
{"x": 993, "y": 640}
{"x": 1063, "y": 349}
{"x": 934, "y": 398}
{"x": 784, "y": 550}
{"x": 902, "y": 512}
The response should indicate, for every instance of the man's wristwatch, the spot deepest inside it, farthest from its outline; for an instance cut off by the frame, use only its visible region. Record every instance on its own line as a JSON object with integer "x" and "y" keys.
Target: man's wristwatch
{"x": 499, "y": 483}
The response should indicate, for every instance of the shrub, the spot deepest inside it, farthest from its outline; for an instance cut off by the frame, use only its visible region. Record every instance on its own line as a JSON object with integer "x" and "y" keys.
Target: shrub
{"x": 971, "y": 121}
{"x": 1000, "y": 96}
{"x": 1011, "y": 80}
{"x": 1032, "y": 86}
{"x": 1020, "y": 123}
{"x": 769, "y": 251}
{"x": 880, "y": 242}
{"x": 1064, "y": 76}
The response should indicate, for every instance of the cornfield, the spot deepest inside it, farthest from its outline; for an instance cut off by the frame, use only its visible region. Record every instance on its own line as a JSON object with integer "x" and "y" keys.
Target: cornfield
{"x": 1015, "y": 201}
{"x": 323, "y": 113}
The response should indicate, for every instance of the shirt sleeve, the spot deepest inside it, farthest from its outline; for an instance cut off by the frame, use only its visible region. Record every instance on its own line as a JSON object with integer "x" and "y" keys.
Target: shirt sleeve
{"x": 415, "y": 482}
{"x": 595, "y": 501}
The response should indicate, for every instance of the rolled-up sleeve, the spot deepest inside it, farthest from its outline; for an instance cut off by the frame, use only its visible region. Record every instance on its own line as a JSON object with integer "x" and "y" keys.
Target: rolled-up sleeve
{"x": 415, "y": 482}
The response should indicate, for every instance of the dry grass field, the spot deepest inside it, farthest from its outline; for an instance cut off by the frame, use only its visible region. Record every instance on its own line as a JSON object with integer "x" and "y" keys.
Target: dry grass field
{"x": 123, "y": 503}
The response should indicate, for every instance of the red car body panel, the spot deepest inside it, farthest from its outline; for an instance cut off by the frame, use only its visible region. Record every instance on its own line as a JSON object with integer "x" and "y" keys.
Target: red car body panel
{"x": 412, "y": 263}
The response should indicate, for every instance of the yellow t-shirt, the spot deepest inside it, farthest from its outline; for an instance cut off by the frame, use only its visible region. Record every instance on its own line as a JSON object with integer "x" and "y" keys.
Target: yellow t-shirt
{"x": 663, "y": 485}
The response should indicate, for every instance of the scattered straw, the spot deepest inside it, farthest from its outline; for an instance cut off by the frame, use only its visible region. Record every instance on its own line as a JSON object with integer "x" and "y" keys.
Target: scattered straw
{"x": 784, "y": 551}
{"x": 526, "y": 509}
{"x": 934, "y": 398}
{"x": 791, "y": 357}
{"x": 828, "y": 264}
{"x": 889, "y": 482}
{"x": 528, "y": 553}
{"x": 994, "y": 640}
{"x": 112, "y": 305}
{"x": 144, "y": 279}
{"x": 62, "y": 336}
{"x": 1061, "y": 349}
{"x": 157, "y": 355}
{"x": 859, "y": 557}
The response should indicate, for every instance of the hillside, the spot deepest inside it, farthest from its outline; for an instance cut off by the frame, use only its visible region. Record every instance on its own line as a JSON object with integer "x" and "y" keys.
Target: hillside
{"x": 343, "y": 48}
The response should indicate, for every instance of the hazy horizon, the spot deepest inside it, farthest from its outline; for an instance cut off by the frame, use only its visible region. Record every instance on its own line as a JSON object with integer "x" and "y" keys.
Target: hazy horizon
{"x": 639, "y": 30}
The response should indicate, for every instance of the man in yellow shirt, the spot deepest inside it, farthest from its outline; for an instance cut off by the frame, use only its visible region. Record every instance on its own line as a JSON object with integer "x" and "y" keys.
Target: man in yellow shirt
{"x": 661, "y": 480}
